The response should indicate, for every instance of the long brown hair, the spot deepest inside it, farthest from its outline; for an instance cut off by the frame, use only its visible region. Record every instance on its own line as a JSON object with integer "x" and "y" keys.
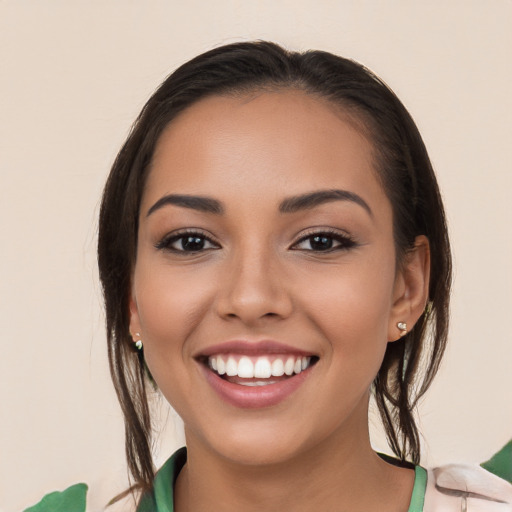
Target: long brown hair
{"x": 406, "y": 174}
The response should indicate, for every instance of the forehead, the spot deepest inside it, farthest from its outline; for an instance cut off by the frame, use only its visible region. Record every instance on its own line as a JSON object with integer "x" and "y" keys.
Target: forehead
{"x": 291, "y": 140}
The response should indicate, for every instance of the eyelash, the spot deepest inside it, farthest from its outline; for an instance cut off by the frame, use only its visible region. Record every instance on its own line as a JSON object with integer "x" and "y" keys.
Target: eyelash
{"x": 166, "y": 244}
{"x": 344, "y": 241}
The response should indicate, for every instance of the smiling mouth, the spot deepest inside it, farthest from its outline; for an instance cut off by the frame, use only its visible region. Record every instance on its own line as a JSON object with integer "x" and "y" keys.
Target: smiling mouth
{"x": 262, "y": 370}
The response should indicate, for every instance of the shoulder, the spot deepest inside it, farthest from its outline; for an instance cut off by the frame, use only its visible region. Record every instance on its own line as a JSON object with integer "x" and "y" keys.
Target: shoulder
{"x": 471, "y": 488}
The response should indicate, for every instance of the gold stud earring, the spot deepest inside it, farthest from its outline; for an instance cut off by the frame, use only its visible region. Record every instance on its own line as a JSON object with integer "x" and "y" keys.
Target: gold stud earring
{"x": 402, "y": 326}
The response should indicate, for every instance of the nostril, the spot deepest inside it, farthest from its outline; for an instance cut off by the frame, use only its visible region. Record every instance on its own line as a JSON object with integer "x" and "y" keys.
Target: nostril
{"x": 252, "y": 301}
{"x": 265, "y": 315}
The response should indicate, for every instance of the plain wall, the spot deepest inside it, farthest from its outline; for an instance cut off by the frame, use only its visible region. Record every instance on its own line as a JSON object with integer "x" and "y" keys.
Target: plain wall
{"x": 73, "y": 76}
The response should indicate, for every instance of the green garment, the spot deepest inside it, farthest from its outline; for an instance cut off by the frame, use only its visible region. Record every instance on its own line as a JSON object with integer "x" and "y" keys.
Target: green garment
{"x": 162, "y": 499}
{"x": 70, "y": 500}
{"x": 501, "y": 463}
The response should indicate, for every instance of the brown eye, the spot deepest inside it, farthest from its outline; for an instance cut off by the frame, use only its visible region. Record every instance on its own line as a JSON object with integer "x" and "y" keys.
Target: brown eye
{"x": 321, "y": 243}
{"x": 191, "y": 243}
{"x": 187, "y": 243}
{"x": 324, "y": 242}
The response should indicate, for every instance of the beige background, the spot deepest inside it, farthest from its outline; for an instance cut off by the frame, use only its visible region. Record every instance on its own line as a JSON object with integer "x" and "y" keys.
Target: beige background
{"x": 73, "y": 75}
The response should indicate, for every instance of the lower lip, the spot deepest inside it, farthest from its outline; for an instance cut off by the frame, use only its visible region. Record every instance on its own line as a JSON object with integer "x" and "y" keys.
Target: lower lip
{"x": 254, "y": 397}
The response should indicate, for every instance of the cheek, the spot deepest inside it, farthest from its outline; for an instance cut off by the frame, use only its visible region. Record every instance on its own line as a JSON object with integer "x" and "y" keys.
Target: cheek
{"x": 351, "y": 308}
{"x": 354, "y": 298}
{"x": 170, "y": 306}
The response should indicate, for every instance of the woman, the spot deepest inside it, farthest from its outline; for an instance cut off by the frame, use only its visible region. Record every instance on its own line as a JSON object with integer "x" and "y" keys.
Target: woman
{"x": 273, "y": 250}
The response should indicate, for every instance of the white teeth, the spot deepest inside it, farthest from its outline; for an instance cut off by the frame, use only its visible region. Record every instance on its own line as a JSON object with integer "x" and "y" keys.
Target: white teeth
{"x": 288, "y": 366}
{"x": 262, "y": 368}
{"x": 259, "y": 368}
{"x": 253, "y": 383}
{"x": 221, "y": 366}
{"x": 245, "y": 368}
{"x": 231, "y": 367}
{"x": 277, "y": 368}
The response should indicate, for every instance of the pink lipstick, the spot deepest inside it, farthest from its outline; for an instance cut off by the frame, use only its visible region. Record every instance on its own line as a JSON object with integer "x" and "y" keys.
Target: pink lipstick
{"x": 255, "y": 374}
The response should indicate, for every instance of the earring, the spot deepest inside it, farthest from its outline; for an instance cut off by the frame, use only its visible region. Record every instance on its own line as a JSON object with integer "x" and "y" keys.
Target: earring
{"x": 138, "y": 343}
{"x": 402, "y": 326}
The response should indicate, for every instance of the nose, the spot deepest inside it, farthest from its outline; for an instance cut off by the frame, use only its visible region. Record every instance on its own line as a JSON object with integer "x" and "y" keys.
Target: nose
{"x": 253, "y": 288}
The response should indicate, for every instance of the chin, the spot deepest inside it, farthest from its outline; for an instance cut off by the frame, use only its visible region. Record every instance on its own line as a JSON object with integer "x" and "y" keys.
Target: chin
{"x": 260, "y": 443}
{"x": 258, "y": 454}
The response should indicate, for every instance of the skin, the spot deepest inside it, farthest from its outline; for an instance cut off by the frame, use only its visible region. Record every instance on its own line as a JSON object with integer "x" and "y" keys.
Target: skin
{"x": 259, "y": 278}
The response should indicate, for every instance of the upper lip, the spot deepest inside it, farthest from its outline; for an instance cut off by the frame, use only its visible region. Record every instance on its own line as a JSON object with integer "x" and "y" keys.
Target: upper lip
{"x": 252, "y": 347}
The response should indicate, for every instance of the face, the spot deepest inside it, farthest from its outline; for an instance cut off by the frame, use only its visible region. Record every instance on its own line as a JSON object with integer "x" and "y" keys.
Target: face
{"x": 265, "y": 287}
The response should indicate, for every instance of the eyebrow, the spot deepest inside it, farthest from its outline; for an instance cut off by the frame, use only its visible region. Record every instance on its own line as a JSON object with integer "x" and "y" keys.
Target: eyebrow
{"x": 290, "y": 205}
{"x": 200, "y": 203}
{"x": 317, "y": 198}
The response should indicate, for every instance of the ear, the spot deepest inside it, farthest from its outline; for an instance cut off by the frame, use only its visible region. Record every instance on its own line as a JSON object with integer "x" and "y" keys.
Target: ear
{"x": 410, "y": 293}
{"x": 135, "y": 326}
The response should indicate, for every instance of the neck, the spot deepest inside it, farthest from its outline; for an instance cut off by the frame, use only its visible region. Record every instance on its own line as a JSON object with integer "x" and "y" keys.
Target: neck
{"x": 342, "y": 474}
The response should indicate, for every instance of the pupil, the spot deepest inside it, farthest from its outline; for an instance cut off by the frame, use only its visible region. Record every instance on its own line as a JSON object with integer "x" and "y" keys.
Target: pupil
{"x": 192, "y": 243}
{"x": 321, "y": 243}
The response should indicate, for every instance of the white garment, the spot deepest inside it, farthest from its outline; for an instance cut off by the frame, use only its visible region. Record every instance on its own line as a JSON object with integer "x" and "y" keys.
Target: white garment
{"x": 466, "y": 488}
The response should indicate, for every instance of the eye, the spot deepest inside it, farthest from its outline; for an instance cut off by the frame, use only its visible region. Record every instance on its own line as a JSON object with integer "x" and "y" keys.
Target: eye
{"x": 324, "y": 242}
{"x": 186, "y": 242}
